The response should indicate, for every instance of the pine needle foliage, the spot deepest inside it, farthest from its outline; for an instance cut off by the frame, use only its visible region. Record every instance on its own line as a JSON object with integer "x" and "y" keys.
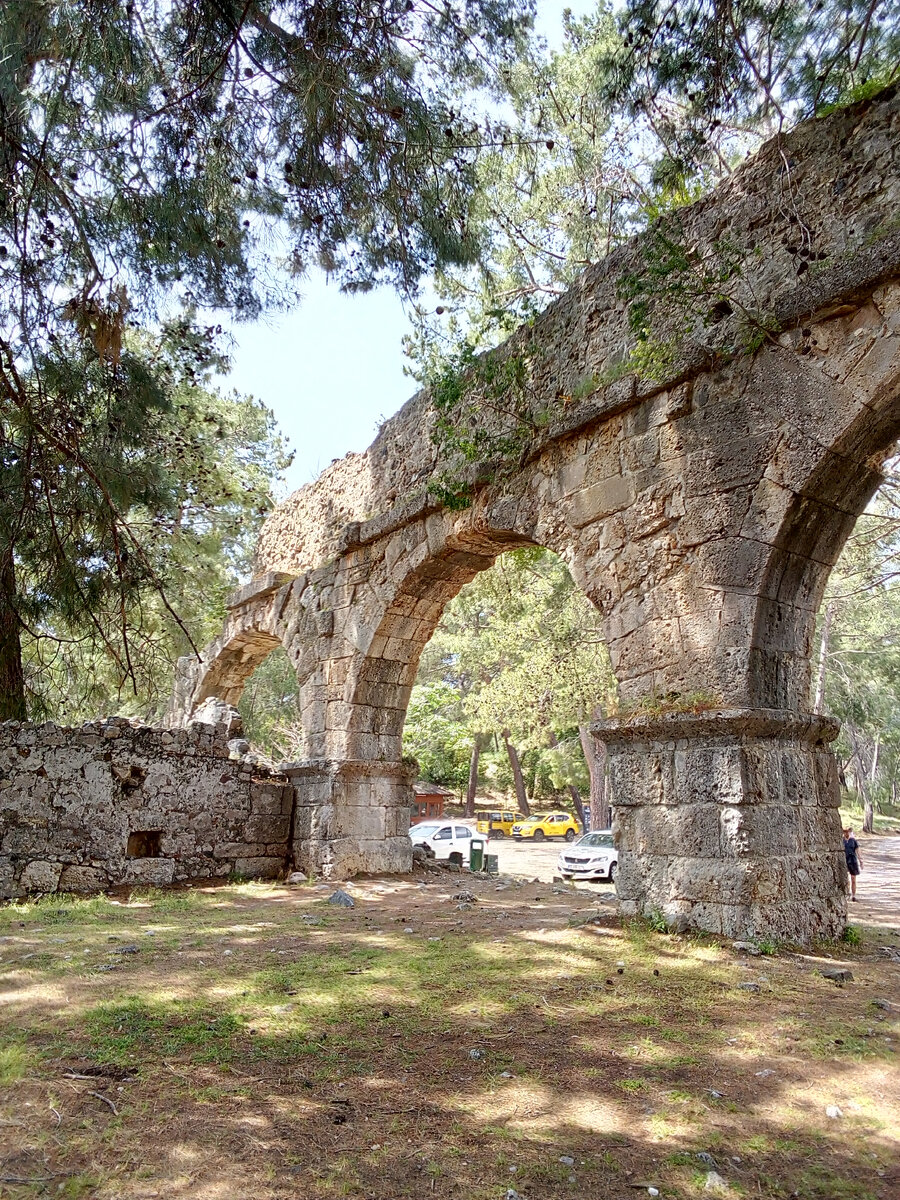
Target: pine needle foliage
{"x": 159, "y": 156}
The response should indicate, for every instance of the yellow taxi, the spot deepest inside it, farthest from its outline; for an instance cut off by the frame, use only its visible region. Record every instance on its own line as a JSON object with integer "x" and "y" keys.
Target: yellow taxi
{"x": 497, "y": 824}
{"x": 547, "y": 825}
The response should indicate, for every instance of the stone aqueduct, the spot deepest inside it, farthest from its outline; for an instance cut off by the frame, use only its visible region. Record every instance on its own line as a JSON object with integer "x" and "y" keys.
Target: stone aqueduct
{"x": 701, "y": 513}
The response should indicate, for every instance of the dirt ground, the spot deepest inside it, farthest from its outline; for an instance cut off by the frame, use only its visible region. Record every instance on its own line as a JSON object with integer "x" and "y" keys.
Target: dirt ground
{"x": 448, "y": 1036}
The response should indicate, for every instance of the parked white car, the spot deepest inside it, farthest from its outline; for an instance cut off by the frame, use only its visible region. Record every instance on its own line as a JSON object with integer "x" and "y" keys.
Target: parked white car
{"x": 593, "y": 856}
{"x": 444, "y": 838}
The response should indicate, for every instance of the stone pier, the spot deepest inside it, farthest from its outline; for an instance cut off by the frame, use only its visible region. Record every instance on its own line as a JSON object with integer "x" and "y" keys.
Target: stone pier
{"x": 728, "y": 822}
{"x": 351, "y": 818}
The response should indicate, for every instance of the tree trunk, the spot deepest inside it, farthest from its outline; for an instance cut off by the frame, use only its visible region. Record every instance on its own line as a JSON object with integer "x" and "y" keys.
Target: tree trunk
{"x": 862, "y": 782}
{"x": 12, "y": 677}
{"x": 595, "y": 757}
{"x": 473, "y": 776}
{"x": 819, "y": 703}
{"x": 572, "y": 789}
{"x": 521, "y": 798}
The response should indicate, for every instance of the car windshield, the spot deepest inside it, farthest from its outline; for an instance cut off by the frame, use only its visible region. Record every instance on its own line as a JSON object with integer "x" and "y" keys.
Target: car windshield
{"x": 426, "y": 828}
{"x": 597, "y": 839}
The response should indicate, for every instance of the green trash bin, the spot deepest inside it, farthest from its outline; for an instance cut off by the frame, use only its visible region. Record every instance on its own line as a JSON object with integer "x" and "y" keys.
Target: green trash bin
{"x": 476, "y": 854}
{"x": 492, "y": 864}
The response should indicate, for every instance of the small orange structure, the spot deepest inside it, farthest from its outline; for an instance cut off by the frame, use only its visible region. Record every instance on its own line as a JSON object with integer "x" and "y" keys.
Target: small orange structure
{"x": 429, "y": 802}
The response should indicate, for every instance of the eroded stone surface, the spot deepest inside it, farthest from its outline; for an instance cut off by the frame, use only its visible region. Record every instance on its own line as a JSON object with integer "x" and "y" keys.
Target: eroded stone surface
{"x": 70, "y": 800}
{"x": 729, "y": 819}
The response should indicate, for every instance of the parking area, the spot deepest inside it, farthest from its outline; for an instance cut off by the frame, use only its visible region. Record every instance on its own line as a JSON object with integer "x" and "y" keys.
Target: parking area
{"x": 533, "y": 860}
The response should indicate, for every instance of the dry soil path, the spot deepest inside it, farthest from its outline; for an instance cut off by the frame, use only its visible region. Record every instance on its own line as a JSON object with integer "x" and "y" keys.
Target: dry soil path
{"x": 878, "y": 887}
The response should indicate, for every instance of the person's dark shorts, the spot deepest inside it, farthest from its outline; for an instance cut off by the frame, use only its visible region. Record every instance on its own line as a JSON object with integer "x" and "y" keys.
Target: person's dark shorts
{"x": 852, "y": 866}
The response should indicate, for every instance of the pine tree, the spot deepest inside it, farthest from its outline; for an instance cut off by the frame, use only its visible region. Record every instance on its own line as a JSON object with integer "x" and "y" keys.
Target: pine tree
{"x": 158, "y": 156}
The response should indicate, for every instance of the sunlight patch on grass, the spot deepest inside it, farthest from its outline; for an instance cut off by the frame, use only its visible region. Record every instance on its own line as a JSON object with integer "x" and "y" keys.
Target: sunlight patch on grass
{"x": 15, "y": 1062}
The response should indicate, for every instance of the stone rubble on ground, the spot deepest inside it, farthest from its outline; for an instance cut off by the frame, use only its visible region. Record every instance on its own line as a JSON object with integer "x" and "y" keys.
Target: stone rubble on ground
{"x": 838, "y": 975}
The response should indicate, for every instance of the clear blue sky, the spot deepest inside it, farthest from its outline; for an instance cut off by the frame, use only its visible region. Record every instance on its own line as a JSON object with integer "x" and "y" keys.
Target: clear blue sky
{"x": 332, "y": 369}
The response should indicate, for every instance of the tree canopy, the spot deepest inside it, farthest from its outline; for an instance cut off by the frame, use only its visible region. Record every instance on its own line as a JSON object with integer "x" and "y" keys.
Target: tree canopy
{"x": 517, "y": 659}
{"x": 159, "y": 156}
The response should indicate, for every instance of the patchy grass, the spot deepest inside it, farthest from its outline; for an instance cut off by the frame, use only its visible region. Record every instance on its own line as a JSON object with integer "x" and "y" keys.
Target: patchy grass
{"x": 252, "y": 1041}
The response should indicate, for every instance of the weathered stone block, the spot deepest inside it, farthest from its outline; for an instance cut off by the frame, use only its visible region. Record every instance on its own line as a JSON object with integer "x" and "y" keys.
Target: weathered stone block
{"x": 155, "y": 871}
{"x": 266, "y": 829}
{"x": 40, "y": 876}
{"x": 600, "y": 500}
{"x": 259, "y": 868}
{"x": 83, "y": 879}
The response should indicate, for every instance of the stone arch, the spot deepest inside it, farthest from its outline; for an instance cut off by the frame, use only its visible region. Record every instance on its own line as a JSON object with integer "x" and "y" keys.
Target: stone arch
{"x": 821, "y": 515}
{"x": 253, "y": 630}
{"x": 231, "y": 662}
{"x": 700, "y": 511}
{"x": 379, "y": 687}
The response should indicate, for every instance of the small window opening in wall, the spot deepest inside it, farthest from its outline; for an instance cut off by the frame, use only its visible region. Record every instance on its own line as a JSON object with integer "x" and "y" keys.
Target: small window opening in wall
{"x": 144, "y": 844}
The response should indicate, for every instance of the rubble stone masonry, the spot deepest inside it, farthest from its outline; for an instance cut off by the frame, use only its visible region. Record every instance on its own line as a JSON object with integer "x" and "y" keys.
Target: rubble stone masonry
{"x": 110, "y": 803}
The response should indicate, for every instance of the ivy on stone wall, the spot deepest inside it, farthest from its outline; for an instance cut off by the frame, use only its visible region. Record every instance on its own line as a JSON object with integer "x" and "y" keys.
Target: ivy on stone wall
{"x": 681, "y": 293}
{"x": 487, "y": 416}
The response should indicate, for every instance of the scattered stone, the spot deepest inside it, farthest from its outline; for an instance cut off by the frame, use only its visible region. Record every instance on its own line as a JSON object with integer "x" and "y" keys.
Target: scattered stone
{"x": 886, "y": 1005}
{"x": 715, "y": 1095}
{"x": 838, "y": 975}
{"x": 512, "y": 1194}
{"x": 833, "y": 1112}
{"x": 764, "y": 1073}
{"x": 434, "y": 939}
{"x": 748, "y": 987}
{"x": 567, "y": 1160}
{"x": 476, "y": 1055}
{"x": 466, "y": 898}
{"x": 715, "y": 1182}
{"x": 746, "y": 948}
{"x": 127, "y": 950}
{"x": 296, "y": 877}
{"x": 506, "y": 1075}
{"x": 409, "y": 929}
{"x": 464, "y": 907}
{"x": 707, "y": 1159}
{"x": 341, "y": 898}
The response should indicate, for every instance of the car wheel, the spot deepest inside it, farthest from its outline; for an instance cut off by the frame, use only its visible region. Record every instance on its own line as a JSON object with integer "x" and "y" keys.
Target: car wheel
{"x": 612, "y": 872}
{"x": 570, "y": 835}
{"x": 538, "y": 835}
{"x": 498, "y": 833}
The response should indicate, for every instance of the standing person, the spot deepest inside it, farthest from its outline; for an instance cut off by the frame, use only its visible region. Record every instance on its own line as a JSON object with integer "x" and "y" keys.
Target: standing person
{"x": 854, "y": 862}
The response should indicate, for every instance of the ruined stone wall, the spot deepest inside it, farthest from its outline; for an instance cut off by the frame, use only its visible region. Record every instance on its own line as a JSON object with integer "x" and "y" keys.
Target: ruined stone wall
{"x": 109, "y": 803}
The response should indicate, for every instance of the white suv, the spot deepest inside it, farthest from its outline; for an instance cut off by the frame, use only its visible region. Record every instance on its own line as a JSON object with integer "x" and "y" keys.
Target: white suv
{"x": 445, "y": 838}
